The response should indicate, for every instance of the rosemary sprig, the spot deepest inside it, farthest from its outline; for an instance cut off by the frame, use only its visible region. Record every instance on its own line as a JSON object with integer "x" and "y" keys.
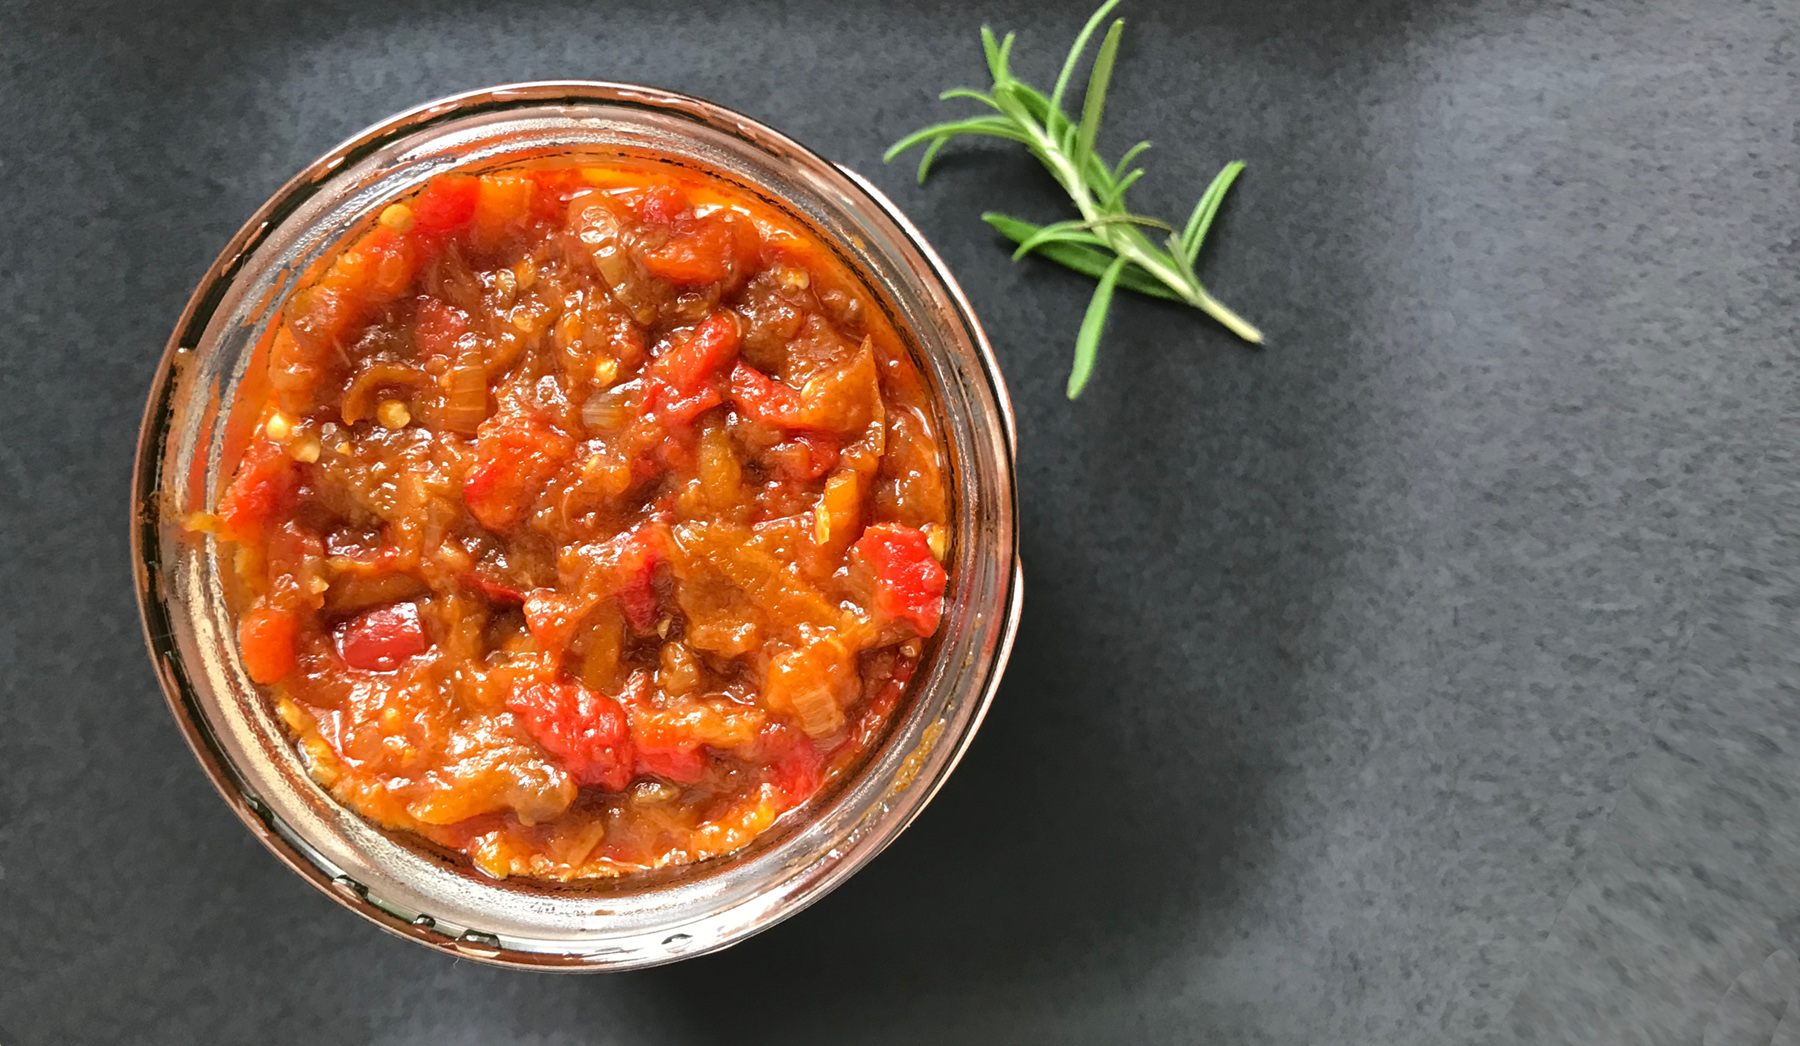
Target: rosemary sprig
{"x": 1108, "y": 241}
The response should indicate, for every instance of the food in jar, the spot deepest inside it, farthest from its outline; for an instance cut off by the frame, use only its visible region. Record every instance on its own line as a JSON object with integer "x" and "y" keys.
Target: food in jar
{"x": 583, "y": 519}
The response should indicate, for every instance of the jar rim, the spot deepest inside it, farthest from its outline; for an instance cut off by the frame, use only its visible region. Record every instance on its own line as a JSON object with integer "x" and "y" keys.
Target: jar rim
{"x": 172, "y": 584}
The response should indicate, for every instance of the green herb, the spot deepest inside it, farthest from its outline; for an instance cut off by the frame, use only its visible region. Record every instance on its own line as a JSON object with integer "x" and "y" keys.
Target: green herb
{"x": 1108, "y": 241}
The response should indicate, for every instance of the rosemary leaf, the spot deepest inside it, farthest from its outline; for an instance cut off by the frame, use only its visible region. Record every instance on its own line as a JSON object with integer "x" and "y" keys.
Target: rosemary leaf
{"x": 1201, "y": 221}
{"x": 1074, "y": 59}
{"x": 1082, "y": 259}
{"x": 1093, "y": 102}
{"x": 1087, "y": 343}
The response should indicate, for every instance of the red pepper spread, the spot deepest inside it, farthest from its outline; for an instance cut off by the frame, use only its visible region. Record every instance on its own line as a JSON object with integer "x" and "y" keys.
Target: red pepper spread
{"x": 593, "y": 517}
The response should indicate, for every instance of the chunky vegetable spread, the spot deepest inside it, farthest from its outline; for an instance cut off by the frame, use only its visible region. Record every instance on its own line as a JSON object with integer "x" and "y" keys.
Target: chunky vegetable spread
{"x": 593, "y": 519}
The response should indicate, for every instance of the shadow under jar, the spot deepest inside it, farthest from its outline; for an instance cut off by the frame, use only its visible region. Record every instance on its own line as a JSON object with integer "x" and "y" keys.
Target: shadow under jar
{"x": 200, "y": 405}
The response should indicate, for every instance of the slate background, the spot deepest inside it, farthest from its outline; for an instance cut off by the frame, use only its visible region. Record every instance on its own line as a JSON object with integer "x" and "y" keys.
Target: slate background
{"x": 1336, "y": 656}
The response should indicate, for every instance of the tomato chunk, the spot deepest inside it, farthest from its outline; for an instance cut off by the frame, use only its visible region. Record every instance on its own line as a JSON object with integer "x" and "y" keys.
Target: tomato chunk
{"x": 382, "y": 639}
{"x": 586, "y": 731}
{"x": 909, "y": 580}
{"x": 515, "y": 456}
{"x": 266, "y": 637}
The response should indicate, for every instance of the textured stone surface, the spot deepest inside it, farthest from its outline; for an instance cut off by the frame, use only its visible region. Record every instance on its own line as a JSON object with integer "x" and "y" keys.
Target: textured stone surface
{"x": 1337, "y": 656}
{"x": 1691, "y": 892}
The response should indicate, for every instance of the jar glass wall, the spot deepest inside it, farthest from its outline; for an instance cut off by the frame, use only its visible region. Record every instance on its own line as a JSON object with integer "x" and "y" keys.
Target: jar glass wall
{"x": 407, "y": 887}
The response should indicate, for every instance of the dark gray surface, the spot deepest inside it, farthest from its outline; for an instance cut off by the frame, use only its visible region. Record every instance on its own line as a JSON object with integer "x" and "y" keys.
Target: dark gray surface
{"x": 1336, "y": 657}
{"x": 1649, "y": 945}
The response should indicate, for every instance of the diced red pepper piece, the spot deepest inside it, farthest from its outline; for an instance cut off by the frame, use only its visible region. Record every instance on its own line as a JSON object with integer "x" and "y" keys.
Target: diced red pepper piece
{"x": 672, "y": 408}
{"x": 746, "y": 239}
{"x": 502, "y": 202}
{"x": 843, "y": 400}
{"x": 264, "y": 488}
{"x": 296, "y": 367}
{"x": 692, "y": 259}
{"x": 515, "y": 455}
{"x": 552, "y": 619}
{"x": 637, "y": 596}
{"x": 447, "y": 204}
{"x": 288, "y": 547}
{"x": 708, "y": 350}
{"x": 495, "y": 591}
{"x": 438, "y": 327}
{"x": 862, "y": 732}
{"x": 550, "y": 198}
{"x": 586, "y": 731}
{"x": 382, "y": 639}
{"x": 796, "y": 764}
{"x": 680, "y": 765}
{"x": 266, "y": 637}
{"x": 638, "y": 600}
{"x": 909, "y": 580}
{"x": 661, "y": 204}
{"x": 762, "y": 397}
{"x": 627, "y": 572}
{"x": 645, "y": 467}
{"x": 705, "y": 250}
{"x": 318, "y": 315}
{"x": 805, "y": 455}
{"x": 382, "y": 265}
{"x": 678, "y": 452}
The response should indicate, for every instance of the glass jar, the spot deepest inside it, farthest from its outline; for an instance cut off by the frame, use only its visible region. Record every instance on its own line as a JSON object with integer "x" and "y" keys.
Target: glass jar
{"x": 392, "y": 879}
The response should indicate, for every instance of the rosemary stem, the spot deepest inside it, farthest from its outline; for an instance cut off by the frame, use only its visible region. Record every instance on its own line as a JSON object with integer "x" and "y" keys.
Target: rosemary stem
{"x": 1129, "y": 243}
{"x": 1108, "y": 241}
{"x": 1233, "y": 322}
